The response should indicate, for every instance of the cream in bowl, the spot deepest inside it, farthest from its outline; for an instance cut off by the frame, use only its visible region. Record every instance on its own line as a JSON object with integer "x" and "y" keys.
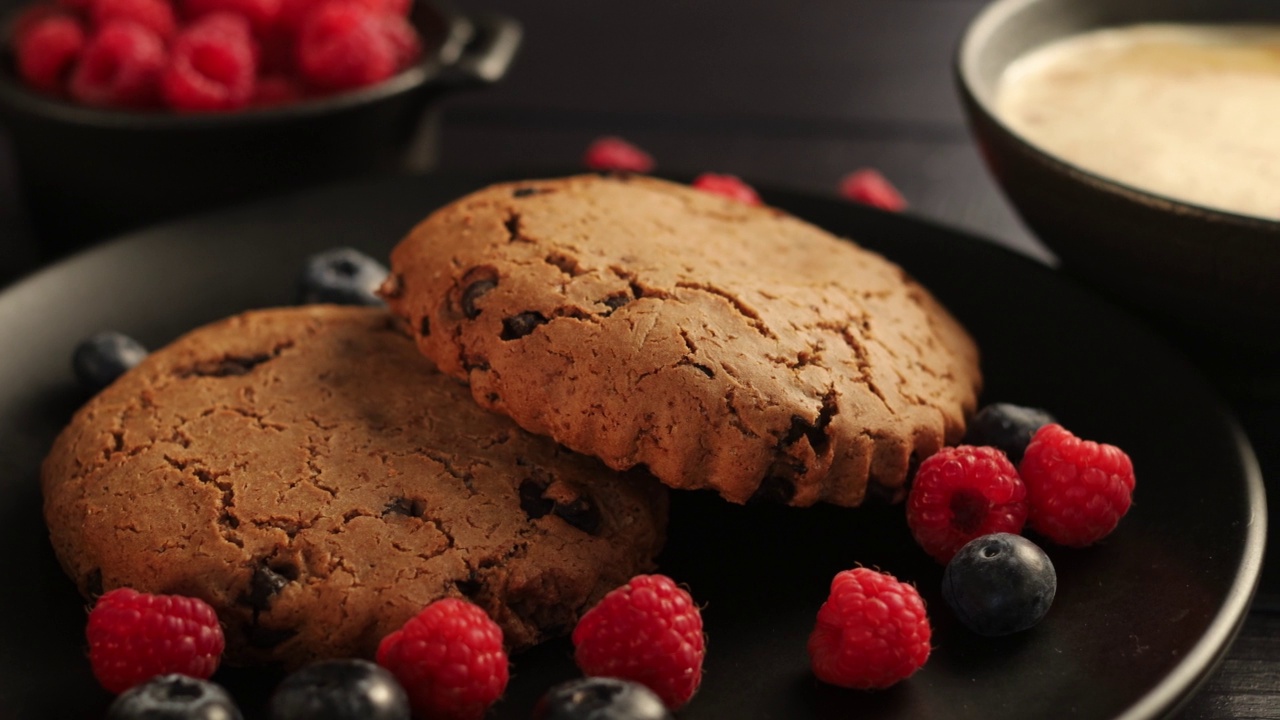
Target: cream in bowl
{"x": 1185, "y": 111}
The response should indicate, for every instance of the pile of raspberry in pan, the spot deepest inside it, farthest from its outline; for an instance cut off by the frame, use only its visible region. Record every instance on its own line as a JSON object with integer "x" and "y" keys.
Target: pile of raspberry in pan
{"x": 209, "y": 55}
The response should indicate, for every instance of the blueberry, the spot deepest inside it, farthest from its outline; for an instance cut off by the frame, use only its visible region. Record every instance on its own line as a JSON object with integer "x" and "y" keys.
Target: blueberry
{"x": 598, "y": 698}
{"x": 1006, "y": 426}
{"x": 343, "y": 276}
{"x": 999, "y": 584}
{"x": 174, "y": 697}
{"x": 340, "y": 690}
{"x": 100, "y": 359}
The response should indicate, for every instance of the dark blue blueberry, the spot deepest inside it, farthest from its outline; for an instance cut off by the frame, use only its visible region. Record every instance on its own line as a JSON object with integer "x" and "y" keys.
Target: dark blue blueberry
{"x": 343, "y": 276}
{"x": 340, "y": 690}
{"x": 598, "y": 698}
{"x": 100, "y": 359}
{"x": 999, "y": 584}
{"x": 174, "y": 697}
{"x": 1008, "y": 427}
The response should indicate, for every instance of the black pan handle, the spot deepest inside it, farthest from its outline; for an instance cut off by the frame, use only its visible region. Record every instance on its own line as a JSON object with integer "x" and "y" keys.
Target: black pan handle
{"x": 484, "y": 60}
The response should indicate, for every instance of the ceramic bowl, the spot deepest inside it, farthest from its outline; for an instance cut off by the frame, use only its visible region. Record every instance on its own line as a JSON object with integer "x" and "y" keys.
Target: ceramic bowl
{"x": 1211, "y": 279}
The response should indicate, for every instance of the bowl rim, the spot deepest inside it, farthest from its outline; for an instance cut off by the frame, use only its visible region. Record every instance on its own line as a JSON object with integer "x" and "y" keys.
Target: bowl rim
{"x": 458, "y": 31}
{"x": 987, "y": 23}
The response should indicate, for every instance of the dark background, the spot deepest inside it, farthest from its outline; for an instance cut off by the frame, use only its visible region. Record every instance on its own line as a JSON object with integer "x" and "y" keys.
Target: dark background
{"x": 785, "y": 94}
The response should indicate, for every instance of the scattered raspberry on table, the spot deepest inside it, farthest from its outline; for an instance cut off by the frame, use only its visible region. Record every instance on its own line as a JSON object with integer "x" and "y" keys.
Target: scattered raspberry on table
{"x": 135, "y": 636}
{"x": 450, "y": 660}
{"x": 869, "y": 187}
{"x": 615, "y": 154}
{"x": 730, "y": 186}
{"x": 1077, "y": 489}
{"x": 871, "y": 632}
{"x": 961, "y": 493}
{"x": 647, "y": 631}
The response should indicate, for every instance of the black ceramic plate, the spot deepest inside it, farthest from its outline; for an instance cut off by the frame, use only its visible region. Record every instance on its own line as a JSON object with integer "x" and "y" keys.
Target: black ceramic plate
{"x": 1138, "y": 622}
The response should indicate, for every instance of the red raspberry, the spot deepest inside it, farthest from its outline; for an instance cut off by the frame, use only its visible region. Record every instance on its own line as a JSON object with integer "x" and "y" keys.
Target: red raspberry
{"x": 614, "y": 153}
{"x": 155, "y": 15}
{"x": 392, "y": 7}
{"x": 404, "y": 40}
{"x": 294, "y": 12}
{"x": 33, "y": 15}
{"x": 213, "y": 65}
{"x": 1078, "y": 489}
{"x": 647, "y": 631}
{"x": 450, "y": 660}
{"x": 343, "y": 45}
{"x": 729, "y": 186}
{"x": 47, "y": 50}
{"x": 135, "y": 636}
{"x": 869, "y": 187}
{"x": 275, "y": 90}
{"x": 261, "y": 14}
{"x": 962, "y": 493}
{"x": 119, "y": 67}
{"x": 871, "y": 632}
{"x": 75, "y": 5}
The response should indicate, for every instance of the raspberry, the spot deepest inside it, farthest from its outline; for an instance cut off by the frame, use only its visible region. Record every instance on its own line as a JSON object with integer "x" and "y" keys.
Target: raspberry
{"x": 391, "y": 7}
{"x": 155, "y": 15}
{"x": 614, "y": 153}
{"x": 33, "y": 15}
{"x": 75, "y": 5}
{"x": 869, "y": 187}
{"x": 450, "y": 660}
{"x": 135, "y": 636}
{"x": 1077, "y": 489}
{"x": 871, "y": 632}
{"x": 119, "y": 67}
{"x": 47, "y": 50}
{"x": 213, "y": 65}
{"x": 647, "y": 631}
{"x": 343, "y": 45}
{"x": 275, "y": 90}
{"x": 961, "y": 493}
{"x": 294, "y": 12}
{"x": 729, "y": 186}
{"x": 261, "y": 14}
{"x": 404, "y": 40}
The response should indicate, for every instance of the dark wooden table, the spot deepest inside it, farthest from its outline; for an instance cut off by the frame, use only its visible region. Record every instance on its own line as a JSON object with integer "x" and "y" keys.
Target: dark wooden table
{"x": 788, "y": 94}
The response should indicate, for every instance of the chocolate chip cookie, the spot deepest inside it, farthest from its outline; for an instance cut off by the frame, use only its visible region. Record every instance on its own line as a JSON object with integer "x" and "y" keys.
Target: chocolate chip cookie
{"x": 722, "y": 346}
{"x": 308, "y": 473}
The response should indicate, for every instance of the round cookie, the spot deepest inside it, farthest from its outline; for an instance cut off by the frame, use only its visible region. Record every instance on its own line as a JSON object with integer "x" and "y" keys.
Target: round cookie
{"x": 317, "y": 481}
{"x": 722, "y": 346}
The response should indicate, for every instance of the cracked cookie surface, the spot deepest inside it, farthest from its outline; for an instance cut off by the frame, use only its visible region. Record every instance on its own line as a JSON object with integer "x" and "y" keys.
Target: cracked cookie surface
{"x": 317, "y": 481}
{"x": 720, "y": 345}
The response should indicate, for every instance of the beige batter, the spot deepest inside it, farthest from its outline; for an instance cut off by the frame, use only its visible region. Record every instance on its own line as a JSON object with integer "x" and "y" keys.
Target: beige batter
{"x": 1191, "y": 112}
